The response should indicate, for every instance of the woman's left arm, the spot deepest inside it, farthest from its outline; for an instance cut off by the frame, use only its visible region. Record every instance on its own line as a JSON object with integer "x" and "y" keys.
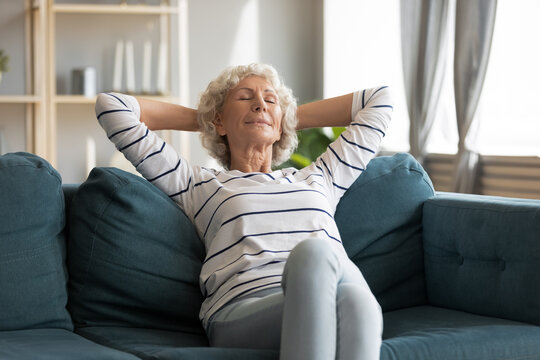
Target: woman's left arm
{"x": 328, "y": 112}
{"x": 366, "y": 114}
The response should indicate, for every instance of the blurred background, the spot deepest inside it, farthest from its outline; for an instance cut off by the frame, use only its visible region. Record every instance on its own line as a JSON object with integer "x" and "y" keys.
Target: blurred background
{"x": 464, "y": 74}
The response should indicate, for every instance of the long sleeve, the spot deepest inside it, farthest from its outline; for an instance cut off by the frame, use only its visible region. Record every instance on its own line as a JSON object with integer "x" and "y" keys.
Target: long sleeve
{"x": 159, "y": 163}
{"x": 347, "y": 157}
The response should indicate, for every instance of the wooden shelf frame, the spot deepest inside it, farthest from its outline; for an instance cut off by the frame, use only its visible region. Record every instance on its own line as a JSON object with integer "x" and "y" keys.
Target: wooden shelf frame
{"x": 20, "y": 99}
{"x": 115, "y": 9}
{"x": 164, "y": 11}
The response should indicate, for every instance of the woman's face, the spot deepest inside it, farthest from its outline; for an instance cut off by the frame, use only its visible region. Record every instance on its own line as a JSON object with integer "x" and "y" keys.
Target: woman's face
{"x": 251, "y": 113}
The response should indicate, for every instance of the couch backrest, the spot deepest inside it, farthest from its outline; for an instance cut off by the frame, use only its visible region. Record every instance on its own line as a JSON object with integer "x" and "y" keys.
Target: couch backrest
{"x": 32, "y": 245}
{"x": 134, "y": 258}
{"x": 380, "y": 221}
{"x": 482, "y": 255}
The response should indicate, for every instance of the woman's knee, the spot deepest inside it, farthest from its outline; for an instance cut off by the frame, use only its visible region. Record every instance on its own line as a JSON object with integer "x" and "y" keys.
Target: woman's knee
{"x": 313, "y": 251}
{"x": 312, "y": 260}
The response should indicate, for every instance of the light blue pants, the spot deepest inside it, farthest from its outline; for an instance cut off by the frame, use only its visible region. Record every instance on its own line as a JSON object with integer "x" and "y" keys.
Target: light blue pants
{"x": 325, "y": 310}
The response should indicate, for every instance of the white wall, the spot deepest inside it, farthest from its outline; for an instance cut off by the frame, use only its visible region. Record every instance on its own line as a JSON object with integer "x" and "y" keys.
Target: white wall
{"x": 284, "y": 33}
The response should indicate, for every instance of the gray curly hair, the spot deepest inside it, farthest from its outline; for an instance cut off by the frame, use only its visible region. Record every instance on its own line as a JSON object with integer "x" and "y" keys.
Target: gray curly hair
{"x": 212, "y": 100}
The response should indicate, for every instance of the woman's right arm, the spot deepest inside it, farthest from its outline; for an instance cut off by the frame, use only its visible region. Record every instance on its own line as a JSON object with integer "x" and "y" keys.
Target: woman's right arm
{"x": 159, "y": 115}
{"x": 159, "y": 163}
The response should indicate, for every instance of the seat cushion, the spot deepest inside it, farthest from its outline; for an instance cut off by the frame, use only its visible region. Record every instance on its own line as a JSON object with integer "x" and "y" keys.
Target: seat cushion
{"x": 427, "y": 332}
{"x": 380, "y": 222}
{"x": 54, "y": 344}
{"x": 32, "y": 245}
{"x": 134, "y": 257}
{"x": 162, "y": 345}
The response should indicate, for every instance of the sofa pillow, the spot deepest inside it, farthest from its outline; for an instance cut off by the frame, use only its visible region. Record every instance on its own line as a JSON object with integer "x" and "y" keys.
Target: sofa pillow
{"x": 134, "y": 257}
{"x": 380, "y": 222}
{"x": 33, "y": 275}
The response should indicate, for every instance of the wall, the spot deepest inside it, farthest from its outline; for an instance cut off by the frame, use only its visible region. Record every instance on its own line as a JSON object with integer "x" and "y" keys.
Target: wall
{"x": 286, "y": 34}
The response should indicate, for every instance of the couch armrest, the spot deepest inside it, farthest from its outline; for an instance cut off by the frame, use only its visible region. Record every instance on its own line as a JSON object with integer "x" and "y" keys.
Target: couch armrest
{"x": 482, "y": 255}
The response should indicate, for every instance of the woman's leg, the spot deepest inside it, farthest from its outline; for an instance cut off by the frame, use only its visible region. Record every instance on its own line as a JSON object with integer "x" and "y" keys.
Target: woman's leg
{"x": 359, "y": 318}
{"x": 329, "y": 311}
{"x": 253, "y": 322}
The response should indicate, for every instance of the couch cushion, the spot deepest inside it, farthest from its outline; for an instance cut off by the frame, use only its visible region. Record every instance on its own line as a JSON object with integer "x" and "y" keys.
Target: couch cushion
{"x": 32, "y": 245}
{"x": 380, "y": 221}
{"x": 428, "y": 332}
{"x": 54, "y": 344}
{"x": 134, "y": 257}
{"x": 165, "y": 345}
{"x": 487, "y": 248}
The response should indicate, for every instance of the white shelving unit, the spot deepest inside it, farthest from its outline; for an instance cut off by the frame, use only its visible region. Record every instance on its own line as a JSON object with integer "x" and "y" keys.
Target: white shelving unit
{"x": 42, "y": 99}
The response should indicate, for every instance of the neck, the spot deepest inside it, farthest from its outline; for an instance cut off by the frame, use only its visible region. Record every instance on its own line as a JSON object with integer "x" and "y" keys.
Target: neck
{"x": 252, "y": 159}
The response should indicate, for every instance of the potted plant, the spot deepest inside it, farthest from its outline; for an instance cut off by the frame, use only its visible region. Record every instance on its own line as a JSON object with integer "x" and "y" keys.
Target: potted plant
{"x": 4, "y": 59}
{"x": 311, "y": 144}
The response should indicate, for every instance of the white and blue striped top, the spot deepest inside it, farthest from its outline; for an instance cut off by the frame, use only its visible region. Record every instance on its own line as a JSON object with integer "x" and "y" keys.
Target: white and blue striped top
{"x": 249, "y": 222}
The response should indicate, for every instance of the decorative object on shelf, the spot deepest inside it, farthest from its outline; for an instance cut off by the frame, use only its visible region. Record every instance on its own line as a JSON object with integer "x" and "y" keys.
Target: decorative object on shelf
{"x": 118, "y": 63}
{"x": 90, "y": 154}
{"x": 130, "y": 68}
{"x": 125, "y": 56}
{"x": 162, "y": 69}
{"x": 83, "y": 81}
{"x": 147, "y": 68}
{"x": 4, "y": 60}
{"x": 3, "y": 143}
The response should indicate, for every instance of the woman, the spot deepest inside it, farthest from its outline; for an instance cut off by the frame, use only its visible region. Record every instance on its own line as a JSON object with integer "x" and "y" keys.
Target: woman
{"x": 276, "y": 274}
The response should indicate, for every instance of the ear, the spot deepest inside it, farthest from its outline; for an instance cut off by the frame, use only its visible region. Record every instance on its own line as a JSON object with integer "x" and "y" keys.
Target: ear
{"x": 280, "y": 128}
{"x": 219, "y": 125}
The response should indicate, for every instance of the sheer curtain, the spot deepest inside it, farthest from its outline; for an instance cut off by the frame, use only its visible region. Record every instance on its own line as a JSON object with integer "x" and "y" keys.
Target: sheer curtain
{"x": 423, "y": 34}
{"x": 475, "y": 20}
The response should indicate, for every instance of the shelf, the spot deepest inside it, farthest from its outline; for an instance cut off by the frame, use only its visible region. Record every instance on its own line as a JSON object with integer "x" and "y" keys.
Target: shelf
{"x": 19, "y": 99}
{"x": 44, "y": 106}
{"x": 79, "y": 99}
{"x": 114, "y": 9}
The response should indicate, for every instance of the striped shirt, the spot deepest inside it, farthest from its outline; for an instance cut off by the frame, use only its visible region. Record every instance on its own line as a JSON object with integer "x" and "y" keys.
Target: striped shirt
{"x": 249, "y": 222}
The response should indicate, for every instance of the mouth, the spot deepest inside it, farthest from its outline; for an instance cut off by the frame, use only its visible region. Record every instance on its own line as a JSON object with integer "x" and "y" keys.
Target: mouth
{"x": 259, "y": 122}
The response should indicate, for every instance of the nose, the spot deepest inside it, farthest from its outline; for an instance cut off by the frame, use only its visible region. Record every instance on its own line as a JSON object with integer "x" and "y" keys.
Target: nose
{"x": 259, "y": 105}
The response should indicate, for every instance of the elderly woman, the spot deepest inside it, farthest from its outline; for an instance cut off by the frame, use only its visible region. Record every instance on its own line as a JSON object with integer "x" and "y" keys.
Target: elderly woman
{"x": 276, "y": 275}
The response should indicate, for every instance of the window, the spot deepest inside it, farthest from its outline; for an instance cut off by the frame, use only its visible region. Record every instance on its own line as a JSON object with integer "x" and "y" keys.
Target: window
{"x": 363, "y": 48}
{"x": 508, "y": 113}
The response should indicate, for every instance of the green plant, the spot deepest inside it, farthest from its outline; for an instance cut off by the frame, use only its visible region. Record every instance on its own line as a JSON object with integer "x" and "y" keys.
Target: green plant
{"x": 4, "y": 60}
{"x": 311, "y": 144}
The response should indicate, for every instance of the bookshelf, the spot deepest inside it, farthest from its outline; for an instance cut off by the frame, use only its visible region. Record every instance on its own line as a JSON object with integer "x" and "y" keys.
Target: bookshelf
{"x": 46, "y": 50}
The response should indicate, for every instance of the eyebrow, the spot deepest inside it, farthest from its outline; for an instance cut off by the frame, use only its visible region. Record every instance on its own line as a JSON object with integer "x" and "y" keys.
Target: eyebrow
{"x": 251, "y": 90}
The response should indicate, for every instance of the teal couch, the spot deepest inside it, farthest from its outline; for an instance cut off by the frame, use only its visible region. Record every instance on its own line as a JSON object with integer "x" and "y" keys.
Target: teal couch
{"x": 108, "y": 269}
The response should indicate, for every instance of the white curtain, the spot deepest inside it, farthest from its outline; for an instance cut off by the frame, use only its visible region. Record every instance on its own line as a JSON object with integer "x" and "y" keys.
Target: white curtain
{"x": 475, "y": 20}
{"x": 423, "y": 39}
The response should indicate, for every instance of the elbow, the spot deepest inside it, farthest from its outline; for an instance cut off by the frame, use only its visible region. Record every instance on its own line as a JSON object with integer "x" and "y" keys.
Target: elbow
{"x": 100, "y": 104}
